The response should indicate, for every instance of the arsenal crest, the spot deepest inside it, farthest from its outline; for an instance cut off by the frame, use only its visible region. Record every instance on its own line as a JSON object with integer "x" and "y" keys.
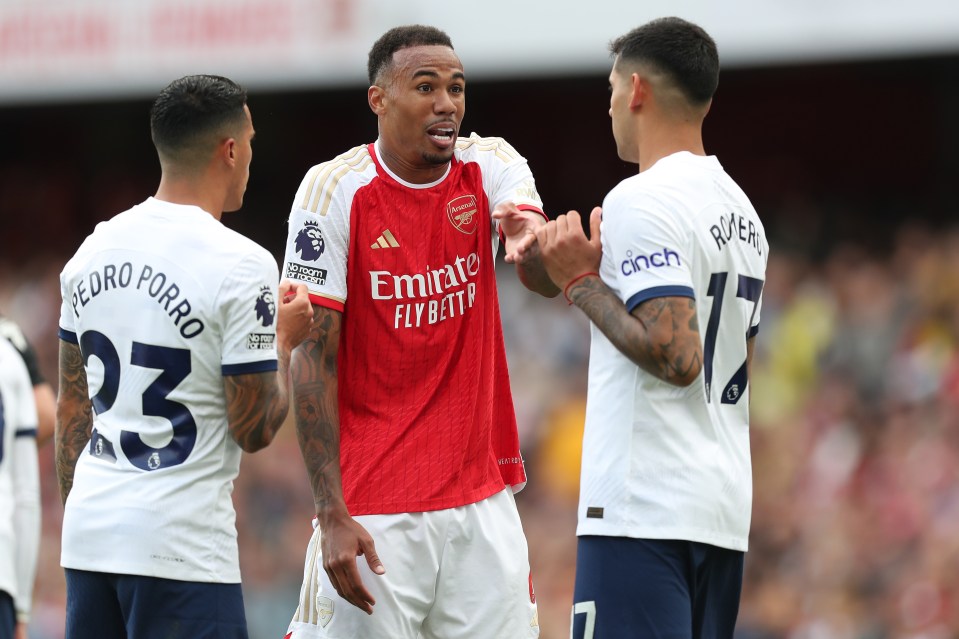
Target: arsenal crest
{"x": 462, "y": 214}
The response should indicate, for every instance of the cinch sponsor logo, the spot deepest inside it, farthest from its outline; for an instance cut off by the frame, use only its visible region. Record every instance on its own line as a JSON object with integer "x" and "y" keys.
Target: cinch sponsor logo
{"x": 436, "y": 294}
{"x": 462, "y": 213}
{"x": 640, "y": 263}
{"x": 309, "y": 274}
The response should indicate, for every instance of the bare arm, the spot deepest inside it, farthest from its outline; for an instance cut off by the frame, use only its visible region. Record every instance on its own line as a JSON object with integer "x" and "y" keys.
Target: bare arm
{"x": 532, "y": 273}
{"x": 661, "y": 335}
{"x": 46, "y": 412}
{"x": 519, "y": 228}
{"x": 315, "y": 395}
{"x": 74, "y": 416}
{"x": 315, "y": 389}
{"x": 257, "y": 403}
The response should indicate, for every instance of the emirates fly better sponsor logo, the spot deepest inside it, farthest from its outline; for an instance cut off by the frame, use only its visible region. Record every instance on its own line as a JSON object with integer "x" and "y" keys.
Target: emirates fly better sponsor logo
{"x": 431, "y": 296}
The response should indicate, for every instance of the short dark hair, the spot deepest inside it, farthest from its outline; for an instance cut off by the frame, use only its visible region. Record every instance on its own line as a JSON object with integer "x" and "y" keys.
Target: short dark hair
{"x": 680, "y": 49}
{"x": 413, "y": 35}
{"x": 192, "y": 107}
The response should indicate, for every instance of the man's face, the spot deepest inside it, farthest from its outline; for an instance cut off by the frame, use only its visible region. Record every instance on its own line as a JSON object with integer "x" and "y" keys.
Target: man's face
{"x": 423, "y": 105}
{"x": 621, "y": 89}
{"x": 244, "y": 155}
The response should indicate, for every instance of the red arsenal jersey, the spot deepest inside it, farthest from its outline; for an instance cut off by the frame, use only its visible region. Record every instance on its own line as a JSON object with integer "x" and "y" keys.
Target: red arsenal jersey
{"x": 426, "y": 415}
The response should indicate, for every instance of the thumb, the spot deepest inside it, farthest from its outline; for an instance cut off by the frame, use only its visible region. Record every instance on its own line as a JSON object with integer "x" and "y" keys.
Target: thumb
{"x": 284, "y": 288}
{"x": 595, "y": 219}
{"x": 372, "y": 559}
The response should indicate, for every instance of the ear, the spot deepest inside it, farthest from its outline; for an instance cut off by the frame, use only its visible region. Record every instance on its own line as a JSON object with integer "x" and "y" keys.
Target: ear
{"x": 227, "y": 151}
{"x": 376, "y": 96}
{"x": 640, "y": 92}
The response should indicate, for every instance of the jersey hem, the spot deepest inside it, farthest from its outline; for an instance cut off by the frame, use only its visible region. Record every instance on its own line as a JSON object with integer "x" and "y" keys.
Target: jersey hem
{"x": 720, "y": 541}
{"x": 68, "y": 336}
{"x": 152, "y": 574}
{"x": 392, "y": 508}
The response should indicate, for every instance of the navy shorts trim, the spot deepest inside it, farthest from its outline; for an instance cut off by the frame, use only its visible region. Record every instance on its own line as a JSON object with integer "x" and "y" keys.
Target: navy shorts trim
{"x": 655, "y": 589}
{"x": 108, "y": 606}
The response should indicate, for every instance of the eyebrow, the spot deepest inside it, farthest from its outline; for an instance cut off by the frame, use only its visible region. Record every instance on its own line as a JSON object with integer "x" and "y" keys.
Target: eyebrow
{"x": 457, "y": 75}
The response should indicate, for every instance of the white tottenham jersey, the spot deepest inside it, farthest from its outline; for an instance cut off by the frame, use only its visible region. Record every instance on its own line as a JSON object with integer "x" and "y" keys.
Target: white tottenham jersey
{"x": 19, "y": 481}
{"x": 163, "y": 301}
{"x": 662, "y": 461}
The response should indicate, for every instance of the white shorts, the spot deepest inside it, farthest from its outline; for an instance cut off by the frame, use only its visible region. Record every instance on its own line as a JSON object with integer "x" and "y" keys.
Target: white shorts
{"x": 460, "y": 573}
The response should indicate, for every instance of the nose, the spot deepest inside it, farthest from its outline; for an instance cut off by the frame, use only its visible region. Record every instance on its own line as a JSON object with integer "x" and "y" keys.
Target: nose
{"x": 443, "y": 103}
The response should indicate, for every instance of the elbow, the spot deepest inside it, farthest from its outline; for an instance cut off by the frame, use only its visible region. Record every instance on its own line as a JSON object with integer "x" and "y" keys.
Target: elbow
{"x": 255, "y": 444}
{"x": 684, "y": 378}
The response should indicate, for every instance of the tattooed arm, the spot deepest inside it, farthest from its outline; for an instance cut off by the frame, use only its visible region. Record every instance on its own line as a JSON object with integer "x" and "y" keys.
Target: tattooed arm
{"x": 74, "y": 423}
{"x": 315, "y": 396}
{"x": 257, "y": 403}
{"x": 661, "y": 335}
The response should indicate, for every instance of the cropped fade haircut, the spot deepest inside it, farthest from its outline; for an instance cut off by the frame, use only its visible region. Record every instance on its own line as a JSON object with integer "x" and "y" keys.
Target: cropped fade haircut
{"x": 679, "y": 49}
{"x": 189, "y": 110}
{"x": 414, "y": 35}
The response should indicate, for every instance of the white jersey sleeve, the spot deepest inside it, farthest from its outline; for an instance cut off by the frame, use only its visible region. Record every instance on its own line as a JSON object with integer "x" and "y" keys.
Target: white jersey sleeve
{"x": 506, "y": 174}
{"x": 247, "y": 299}
{"x": 647, "y": 252}
{"x": 318, "y": 235}
{"x": 19, "y": 481}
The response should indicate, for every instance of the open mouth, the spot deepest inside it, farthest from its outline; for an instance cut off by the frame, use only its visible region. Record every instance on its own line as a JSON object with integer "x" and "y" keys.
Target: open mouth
{"x": 442, "y": 134}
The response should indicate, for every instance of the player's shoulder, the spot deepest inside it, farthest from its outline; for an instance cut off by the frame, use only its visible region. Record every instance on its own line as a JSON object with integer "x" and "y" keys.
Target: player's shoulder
{"x": 351, "y": 169}
{"x": 11, "y": 331}
{"x": 477, "y": 147}
{"x": 12, "y": 366}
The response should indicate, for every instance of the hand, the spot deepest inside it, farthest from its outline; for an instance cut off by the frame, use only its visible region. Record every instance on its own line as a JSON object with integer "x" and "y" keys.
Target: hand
{"x": 20, "y": 632}
{"x": 342, "y": 540}
{"x": 294, "y": 316}
{"x": 519, "y": 230}
{"x": 566, "y": 251}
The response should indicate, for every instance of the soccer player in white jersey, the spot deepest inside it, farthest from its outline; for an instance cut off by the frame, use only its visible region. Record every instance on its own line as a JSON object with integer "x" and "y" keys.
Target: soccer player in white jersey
{"x": 19, "y": 493}
{"x": 174, "y": 358}
{"x": 44, "y": 399}
{"x": 673, "y": 288}
{"x": 403, "y": 403}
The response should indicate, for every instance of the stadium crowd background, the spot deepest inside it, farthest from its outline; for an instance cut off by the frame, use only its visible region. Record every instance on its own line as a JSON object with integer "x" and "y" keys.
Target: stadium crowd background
{"x": 855, "y": 432}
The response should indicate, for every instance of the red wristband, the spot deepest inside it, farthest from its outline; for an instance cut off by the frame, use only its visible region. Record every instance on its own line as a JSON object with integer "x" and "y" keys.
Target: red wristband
{"x": 573, "y": 281}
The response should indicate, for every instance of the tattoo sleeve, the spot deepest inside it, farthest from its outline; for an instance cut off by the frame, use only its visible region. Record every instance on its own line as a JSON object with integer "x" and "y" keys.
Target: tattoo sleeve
{"x": 315, "y": 388}
{"x": 74, "y": 423}
{"x": 661, "y": 335}
{"x": 532, "y": 273}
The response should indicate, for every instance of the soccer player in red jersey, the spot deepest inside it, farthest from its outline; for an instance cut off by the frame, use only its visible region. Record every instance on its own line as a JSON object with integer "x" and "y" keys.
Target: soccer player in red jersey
{"x": 402, "y": 397}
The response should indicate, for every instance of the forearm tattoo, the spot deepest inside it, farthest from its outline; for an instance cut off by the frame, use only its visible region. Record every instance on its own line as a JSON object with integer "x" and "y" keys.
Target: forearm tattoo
{"x": 257, "y": 405}
{"x": 314, "y": 372}
{"x": 74, "y": 416}
{"x": 664, "y": 341}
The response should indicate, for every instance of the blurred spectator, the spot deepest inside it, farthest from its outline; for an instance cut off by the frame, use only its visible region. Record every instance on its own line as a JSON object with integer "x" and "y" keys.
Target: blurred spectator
{"x": 855, "y": 447}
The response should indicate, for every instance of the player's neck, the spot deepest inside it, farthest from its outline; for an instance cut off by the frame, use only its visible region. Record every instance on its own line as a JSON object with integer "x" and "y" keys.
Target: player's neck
{"x": 190, "y": 193}
{"x": 408, "y": 172}
{"x": 662, "y": 140}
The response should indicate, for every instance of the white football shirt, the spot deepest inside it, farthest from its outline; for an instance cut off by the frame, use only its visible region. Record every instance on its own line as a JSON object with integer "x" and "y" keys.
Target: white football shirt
{"x": 19, "y": 481}
{"x": 662, "y": 461}
{"x": 163, "y": 301}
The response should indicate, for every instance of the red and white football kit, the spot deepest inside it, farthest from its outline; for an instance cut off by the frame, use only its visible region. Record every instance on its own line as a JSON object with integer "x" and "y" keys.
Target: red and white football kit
{"x": 428, "y": 440}
{"x": 426, "y": 414}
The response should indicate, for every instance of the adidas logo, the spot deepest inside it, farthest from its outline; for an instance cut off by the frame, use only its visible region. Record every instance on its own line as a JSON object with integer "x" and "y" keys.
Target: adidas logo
{"x": 385, "y": 240}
